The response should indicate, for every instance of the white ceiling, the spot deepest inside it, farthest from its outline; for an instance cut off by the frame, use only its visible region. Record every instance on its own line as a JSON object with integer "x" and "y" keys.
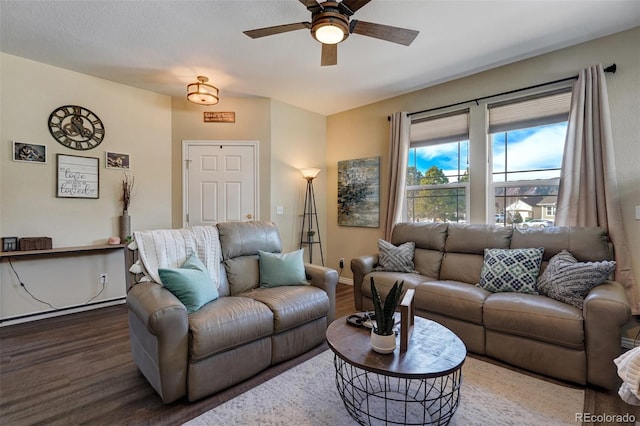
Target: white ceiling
{"x": 163, "y": 45}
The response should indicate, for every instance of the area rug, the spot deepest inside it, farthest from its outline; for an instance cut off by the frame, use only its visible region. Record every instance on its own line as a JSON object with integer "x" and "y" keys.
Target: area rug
{"x": 306, "y": 395}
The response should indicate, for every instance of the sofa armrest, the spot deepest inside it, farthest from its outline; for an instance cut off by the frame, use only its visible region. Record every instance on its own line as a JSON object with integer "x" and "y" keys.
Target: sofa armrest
{"x": 605, "y": 311}
{"x": 361, "y": 266}
{"x": 327, "y": 280}
{"x": 159, "y": 333}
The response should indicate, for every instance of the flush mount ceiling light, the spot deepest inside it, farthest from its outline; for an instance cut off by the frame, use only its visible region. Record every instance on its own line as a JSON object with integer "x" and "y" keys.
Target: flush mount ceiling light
{"x": 202, "y": 93}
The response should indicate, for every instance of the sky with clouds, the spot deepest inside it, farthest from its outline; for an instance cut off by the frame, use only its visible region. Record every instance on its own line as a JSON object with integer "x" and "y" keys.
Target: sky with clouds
{"x": 534, "y": 148}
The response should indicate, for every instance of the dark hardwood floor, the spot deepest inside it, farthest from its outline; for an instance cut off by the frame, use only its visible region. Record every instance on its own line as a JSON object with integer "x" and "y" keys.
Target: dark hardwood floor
{"x": 78, "y": 369}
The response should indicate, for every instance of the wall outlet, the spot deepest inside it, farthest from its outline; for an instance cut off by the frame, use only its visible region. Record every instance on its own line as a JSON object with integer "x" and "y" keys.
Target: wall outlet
{"x": 103, "y": 278}
{"x": 341, "y": 262}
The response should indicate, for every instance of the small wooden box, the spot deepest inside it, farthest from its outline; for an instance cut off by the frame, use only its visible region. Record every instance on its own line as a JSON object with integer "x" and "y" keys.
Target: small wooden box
{"x": 35, "y": 243}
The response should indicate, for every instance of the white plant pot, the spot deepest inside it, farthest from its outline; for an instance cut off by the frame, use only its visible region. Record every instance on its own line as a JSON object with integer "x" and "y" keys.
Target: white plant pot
{"x": 383, "y": 344}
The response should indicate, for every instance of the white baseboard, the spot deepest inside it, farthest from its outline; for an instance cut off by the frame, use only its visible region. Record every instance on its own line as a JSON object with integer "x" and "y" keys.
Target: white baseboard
{"x": 347, "y": 281}
{"x": 71, "y": 310}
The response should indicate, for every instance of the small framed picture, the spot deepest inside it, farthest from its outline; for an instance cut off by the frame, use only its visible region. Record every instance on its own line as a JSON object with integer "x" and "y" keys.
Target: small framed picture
{"x": 29, "y": 152}
{"x": 117, "y": 160}
{"x": 9, "y": 243}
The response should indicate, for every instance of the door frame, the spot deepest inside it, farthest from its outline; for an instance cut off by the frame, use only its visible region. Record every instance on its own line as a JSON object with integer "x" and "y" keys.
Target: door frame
{"x": 185, "y": 149}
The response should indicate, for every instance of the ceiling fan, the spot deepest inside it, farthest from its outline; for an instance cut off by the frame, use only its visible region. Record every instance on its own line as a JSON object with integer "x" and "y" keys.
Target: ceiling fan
{"x": 330, "y": 24}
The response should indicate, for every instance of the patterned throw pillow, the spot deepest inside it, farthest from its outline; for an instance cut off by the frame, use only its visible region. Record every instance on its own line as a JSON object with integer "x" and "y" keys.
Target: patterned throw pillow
{"x": 511, "y": 270}
{"x": 395, "y": 259}
{"x": 569, "y": 281}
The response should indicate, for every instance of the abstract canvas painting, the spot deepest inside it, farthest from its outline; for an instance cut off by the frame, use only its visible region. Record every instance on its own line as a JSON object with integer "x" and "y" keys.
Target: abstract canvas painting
{"x": 359, "y": 192}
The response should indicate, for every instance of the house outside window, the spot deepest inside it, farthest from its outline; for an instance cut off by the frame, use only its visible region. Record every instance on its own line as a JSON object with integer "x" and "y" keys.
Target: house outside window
{"x": 438, "y": 169}
{"x": 527, "y": 142}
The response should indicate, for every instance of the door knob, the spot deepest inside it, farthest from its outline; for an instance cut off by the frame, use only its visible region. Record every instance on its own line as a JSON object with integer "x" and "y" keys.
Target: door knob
{"x": 249, "y": 216}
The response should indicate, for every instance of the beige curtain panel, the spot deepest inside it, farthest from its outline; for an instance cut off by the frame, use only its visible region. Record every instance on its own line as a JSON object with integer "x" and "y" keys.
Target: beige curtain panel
{"x": 398, "y": 158}
{"x": 588, "y": 194}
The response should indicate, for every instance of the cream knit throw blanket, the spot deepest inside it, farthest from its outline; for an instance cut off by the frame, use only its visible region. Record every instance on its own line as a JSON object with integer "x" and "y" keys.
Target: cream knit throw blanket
{"x": 170, "y": 248}
{"x": 629, "y": 371}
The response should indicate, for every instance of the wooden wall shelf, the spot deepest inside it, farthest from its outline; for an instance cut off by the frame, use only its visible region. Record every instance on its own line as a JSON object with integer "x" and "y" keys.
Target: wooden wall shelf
{"x": 60, "y": 251}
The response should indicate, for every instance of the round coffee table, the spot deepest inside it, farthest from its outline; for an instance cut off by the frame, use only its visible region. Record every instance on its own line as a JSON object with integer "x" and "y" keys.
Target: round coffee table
{"x": 418, "y": 387}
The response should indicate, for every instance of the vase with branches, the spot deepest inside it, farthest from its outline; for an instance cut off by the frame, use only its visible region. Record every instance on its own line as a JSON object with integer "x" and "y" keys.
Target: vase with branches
{"x": 127, "y": 189}
{"x": 125, "y": 220}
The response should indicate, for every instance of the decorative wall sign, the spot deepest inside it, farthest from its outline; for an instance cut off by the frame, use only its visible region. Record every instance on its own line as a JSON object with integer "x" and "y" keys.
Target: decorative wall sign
{"x": 76, "y": 127}
{"x": 219, "y": 117}
{"x": 359, "y": 192}
{"x": 77, "y": 177}
{"x": 29, "y": 152}
{"x": 116, "y": 160}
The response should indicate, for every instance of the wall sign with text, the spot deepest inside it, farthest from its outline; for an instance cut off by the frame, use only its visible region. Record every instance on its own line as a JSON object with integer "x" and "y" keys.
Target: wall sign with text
{"x": 219, "y": 117}
{"x": 77, "y": 177}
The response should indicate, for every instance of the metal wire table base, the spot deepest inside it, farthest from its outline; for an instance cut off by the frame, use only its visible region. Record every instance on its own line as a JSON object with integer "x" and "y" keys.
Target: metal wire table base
{"x": 375, "y": 399}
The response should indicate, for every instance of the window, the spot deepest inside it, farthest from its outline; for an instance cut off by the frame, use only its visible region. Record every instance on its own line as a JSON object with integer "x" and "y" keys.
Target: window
{"x": 527, "y": 142}
{"x": 438, "y": 169}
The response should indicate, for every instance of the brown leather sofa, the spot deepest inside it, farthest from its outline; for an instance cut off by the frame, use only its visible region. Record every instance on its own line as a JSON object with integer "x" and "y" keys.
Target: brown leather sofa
{"x": 235, "y": 336}
{"x": 530, "y": 331}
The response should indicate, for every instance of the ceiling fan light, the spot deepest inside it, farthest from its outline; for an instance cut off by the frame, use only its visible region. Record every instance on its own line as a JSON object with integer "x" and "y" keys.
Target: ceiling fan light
{"x": 202, "y": 93}
{"x": 329, "y": 34}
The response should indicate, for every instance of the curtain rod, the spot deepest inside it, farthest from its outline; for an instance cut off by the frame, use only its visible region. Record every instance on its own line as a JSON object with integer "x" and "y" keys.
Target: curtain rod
{"x": 611, "y": 68}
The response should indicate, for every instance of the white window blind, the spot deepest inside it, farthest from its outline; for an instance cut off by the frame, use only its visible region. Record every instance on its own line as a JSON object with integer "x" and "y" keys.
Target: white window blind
{"x": 529, "y": 112}
{"x": 438, "y": 129}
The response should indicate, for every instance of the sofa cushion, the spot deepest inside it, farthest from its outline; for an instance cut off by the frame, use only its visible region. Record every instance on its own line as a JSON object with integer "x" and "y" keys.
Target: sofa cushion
{"x": 427, "y": 262}
{"x": 567, "y": 280}
{"x": 385, "y": 280}
{"x": 243, "y": 273}
{"x": 451, "y": 298}
{"x": 511, "y": 269}
{"x": 227, "y": 323}
{"x": 395, "y": 258}
{"x": 191, "y": 283}
{"x": 535, "y": 317}
{"x": 246, "y": 238}
{"x": 278, "y": 269}
{"x": 587, "y": 244}
{"x": 426, "y": 235}
{"x": 292, "y": 305}
{"x": 462, "y": 267}
{"x": 474, "y": 238}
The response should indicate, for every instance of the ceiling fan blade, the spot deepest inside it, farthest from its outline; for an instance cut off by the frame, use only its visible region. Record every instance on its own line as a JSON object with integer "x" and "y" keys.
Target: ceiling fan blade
{"x": 383, "y": 32}
{"x": 329, "y": 54}
{"x": 263, "y": 32}
{"x": 312, "y": 5}
{"x": 348, "y": 7}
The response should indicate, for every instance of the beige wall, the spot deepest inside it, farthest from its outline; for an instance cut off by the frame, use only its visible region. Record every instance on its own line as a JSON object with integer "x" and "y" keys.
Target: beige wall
{"x": 136, "y": 122}
{"x": 298, "y": 141}
{"x": 363, "y": 132}
{"x": 253, "y": 122}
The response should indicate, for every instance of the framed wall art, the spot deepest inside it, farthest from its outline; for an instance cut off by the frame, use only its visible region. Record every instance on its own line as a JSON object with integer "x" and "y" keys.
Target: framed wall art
{"x": 29, "y": 152}
{"x": 117, "y": 160}
{"x": 9, "y": 243}
{"x": 359, "y": 192}
{"x": 77, "y": 177}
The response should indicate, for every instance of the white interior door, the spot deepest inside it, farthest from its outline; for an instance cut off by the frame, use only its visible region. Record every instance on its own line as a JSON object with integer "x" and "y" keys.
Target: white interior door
{"x": 220, "y": 182}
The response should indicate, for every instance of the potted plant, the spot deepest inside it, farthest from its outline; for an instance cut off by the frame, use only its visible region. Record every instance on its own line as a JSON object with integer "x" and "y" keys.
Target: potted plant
{"x": 383, "y": 338}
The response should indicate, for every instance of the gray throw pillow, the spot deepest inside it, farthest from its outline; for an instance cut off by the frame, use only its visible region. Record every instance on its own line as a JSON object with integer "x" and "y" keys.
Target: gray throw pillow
{"x": 569, "y": 281}
{"x": 395, "y": 259}
{"x": 514, "y": 270}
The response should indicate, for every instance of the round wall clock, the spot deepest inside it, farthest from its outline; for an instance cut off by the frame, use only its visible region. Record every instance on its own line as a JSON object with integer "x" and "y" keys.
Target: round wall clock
{"x": 76, "y": 127}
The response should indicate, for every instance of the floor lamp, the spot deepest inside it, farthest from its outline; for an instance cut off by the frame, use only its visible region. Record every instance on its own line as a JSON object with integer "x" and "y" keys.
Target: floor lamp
{"x": 309, "y": 235}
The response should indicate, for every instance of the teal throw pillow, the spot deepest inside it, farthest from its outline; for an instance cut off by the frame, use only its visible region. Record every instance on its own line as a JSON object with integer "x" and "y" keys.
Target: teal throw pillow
{"x": 191, "y": 283}
{"x": 513, "y": 270}
{"x": 277, "y": 269}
